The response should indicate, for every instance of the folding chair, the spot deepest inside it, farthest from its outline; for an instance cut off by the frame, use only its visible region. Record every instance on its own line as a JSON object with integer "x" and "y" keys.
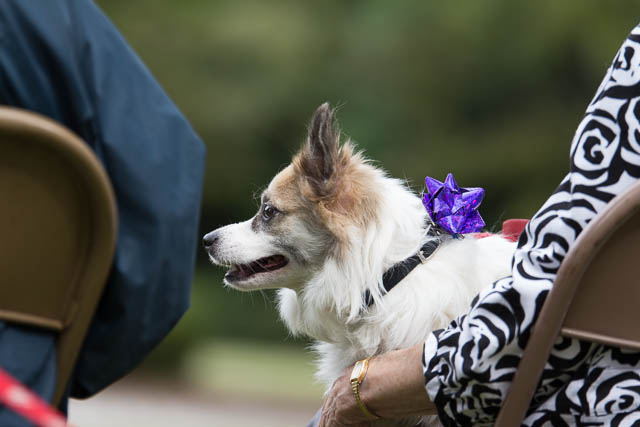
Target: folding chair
{"x": 594, "y": 298}
{"x": 57, "y": 228}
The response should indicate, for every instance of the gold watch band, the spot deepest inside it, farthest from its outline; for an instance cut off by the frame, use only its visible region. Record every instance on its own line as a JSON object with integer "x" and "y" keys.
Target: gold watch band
{"x": 357, "y": 377}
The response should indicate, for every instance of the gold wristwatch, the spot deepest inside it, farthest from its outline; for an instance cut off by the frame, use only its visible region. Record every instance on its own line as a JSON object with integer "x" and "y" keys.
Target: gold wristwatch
{"x": 357, "y": 377}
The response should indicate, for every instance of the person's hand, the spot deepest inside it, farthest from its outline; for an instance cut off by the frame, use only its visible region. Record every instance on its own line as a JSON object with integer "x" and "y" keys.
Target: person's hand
{"x": 340, "y": 408}
{"x": 392, "y": 388}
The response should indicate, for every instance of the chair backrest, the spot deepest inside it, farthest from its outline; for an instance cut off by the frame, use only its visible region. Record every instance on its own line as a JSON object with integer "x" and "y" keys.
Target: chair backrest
{"x": 594, "y": 297}
{"x": 57, "y": 228}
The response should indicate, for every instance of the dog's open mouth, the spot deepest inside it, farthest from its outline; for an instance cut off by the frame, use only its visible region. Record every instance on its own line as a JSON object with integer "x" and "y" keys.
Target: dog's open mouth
{"x": 239, "y": 272}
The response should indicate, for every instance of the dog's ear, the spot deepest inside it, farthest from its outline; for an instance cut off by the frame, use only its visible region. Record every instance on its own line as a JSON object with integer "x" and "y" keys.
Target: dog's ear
{"x": 321, "y": 149}
{"x": 318, "y": 159}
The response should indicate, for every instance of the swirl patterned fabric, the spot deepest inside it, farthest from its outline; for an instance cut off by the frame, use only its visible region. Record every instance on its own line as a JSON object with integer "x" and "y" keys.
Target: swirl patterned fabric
{"x": 468, "y": 367}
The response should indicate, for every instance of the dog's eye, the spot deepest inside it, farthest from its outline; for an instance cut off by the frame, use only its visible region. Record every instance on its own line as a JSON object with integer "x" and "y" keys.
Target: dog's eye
{"x": 268, "y": 211}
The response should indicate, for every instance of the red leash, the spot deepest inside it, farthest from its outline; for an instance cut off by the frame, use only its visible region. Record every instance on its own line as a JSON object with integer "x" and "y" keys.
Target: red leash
{"x": 16, "y": 396}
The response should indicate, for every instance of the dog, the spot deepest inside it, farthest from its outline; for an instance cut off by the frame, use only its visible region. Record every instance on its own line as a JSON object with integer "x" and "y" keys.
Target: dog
{"x": 329, "y": 227}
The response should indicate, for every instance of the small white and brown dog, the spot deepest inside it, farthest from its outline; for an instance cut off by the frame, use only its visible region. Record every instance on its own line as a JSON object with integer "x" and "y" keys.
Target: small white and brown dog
{"x": 330, "y": 226}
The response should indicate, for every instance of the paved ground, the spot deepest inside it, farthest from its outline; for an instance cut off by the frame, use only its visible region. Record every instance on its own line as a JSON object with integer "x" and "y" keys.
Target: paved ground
{"x": 140, "y": 404}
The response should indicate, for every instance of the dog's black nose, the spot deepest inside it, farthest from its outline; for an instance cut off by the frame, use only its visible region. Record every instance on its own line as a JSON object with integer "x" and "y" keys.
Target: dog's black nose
{"x": 209, "y": 240}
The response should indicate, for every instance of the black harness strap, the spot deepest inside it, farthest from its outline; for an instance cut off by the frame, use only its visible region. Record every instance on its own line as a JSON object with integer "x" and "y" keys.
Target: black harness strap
{"x": 395, "y": 274}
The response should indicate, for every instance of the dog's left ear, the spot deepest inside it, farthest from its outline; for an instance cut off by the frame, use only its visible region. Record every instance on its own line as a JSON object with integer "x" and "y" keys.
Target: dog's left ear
{"x": 318, "y": 159}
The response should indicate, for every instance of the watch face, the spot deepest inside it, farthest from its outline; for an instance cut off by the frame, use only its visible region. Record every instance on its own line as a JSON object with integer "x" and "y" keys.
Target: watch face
{"x": 357, "y": 369}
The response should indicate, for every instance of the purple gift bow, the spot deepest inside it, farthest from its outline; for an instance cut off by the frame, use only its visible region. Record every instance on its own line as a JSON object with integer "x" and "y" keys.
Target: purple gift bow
{"x": 453, "y": 208}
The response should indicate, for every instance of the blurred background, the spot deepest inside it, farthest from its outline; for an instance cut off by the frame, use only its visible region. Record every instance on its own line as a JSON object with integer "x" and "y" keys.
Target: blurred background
{"x": 491, "y": 91}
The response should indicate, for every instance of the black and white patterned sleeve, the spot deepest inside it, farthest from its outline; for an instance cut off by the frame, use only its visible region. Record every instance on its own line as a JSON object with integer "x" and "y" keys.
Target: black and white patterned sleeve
{"x": 468, "y": 366}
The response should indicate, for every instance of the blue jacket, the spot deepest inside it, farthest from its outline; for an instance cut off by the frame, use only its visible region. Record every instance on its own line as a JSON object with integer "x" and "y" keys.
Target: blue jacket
{"x": 65, "y": 60}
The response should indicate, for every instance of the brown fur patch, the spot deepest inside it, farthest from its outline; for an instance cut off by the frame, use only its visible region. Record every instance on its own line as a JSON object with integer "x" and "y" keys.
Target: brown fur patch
{"x": 283, "y": 191}
{"x": 347, "y": 199}
{"x": 327, "y": 183}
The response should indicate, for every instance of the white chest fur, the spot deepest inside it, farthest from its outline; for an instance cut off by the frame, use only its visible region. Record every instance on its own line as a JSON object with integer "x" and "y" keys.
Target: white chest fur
{"x": 431, "y": 296}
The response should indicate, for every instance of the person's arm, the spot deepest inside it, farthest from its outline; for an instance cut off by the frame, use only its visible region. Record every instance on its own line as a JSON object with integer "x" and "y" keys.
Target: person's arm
{"x": 392, "y": 388}
{"x": 67, "y": 61}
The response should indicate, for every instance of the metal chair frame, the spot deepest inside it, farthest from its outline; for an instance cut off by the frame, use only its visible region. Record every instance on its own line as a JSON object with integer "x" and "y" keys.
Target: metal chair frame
{"x": 58, "y": 225}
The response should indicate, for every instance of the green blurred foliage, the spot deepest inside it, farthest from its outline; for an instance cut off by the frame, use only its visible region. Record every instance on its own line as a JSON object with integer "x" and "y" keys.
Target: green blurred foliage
{"x": 491, "y": 91}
